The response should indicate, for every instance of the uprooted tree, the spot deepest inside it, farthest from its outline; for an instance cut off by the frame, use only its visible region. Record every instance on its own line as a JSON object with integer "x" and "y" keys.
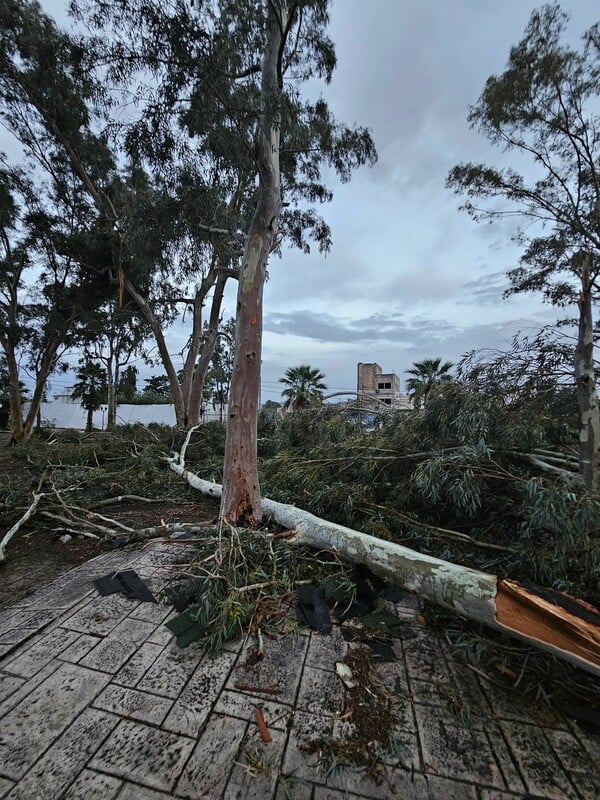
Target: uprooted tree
{"x": 544, "y": 106}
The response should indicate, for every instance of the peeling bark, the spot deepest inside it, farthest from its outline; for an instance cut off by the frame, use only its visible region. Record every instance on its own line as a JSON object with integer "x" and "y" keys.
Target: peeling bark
{"x": 561, "y": 625}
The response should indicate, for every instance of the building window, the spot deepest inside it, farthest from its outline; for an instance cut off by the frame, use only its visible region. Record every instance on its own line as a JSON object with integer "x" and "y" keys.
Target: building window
{"x": 381, "y": 385}
{"x": 387, "y": 385}
{"x": 387, "y": 401}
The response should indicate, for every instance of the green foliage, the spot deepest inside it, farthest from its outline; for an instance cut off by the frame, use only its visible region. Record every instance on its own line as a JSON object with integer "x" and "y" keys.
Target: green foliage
{"x": 455, "y": 467}
{"x": 242, "y": 577}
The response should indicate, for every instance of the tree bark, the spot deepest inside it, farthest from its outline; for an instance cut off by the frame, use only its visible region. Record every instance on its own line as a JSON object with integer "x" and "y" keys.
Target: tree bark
{"x": 23, "y": 428}
{"x": 149, "y": 316}
{"x": 241, "y": 494}
{"x": 206, "y": 351}
{"x": 585, "y": 380}
{"x": 547, "y": 619}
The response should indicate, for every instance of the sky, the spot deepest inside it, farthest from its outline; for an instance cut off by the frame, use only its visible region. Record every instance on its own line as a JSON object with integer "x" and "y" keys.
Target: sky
{"x": 409, "y": 275}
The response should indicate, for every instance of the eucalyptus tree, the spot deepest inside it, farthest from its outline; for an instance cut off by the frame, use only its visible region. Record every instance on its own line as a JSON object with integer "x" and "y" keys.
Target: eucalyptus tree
{"x": 55, "y": 103}
{"x": 230, "y": 72}
{"x": 425, "y": 376}
{"x": 44, "y": 298}
{"x": 544, "y": 108}
{"x": 304, "y": 386}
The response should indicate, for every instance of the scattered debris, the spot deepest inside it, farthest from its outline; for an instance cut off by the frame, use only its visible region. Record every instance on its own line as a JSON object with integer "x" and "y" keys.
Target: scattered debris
{"x": 262, "y": 725}
{"x": 128, "y": 583}
{"x": 257, "y": 689}
{"x": 186, "y": 628}
{"x": 65, "y": 538}
{"x": 345, "y": 673}
{"x": 369, "y": 720}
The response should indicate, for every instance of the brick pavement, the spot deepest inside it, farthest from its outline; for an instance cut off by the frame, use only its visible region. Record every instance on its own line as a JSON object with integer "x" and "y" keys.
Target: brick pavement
{"x": 97, "y": 702}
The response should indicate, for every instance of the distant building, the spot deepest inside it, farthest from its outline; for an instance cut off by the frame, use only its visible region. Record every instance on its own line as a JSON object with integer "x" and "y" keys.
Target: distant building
{"x": 381, "y": 386}
{"x": 66, "y": 396}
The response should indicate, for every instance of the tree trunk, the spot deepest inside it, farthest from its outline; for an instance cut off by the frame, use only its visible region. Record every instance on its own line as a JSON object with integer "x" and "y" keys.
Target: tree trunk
{"x": 112, "y": 378}
{"x": 206, "y": 352}
{"x": 176, "y": 393}
{"x": 23, "y": 428}
{"x": 585, "y": 380}
{"x": 89, "y": 425}
{"x": 547, "y": 619}
{"x": 241, "y": 492}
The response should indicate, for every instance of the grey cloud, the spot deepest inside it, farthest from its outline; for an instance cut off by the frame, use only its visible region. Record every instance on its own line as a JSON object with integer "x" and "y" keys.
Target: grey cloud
{"x": 390, "y": 327}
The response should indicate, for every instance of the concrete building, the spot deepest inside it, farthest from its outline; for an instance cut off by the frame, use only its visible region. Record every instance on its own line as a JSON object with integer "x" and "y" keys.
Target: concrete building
{"x": 383, "y": 386}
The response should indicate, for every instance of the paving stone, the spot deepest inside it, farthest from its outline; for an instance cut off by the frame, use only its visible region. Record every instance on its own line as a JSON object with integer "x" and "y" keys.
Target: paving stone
{"x": 146, "y": 755}
{"x": 31, "y": 726}
{"x": 588, "y": 786}
{"x": 403, "y": 751}
{"x": 510, "y": 705}
{"x": 321, "y": 692}
{"x": 93, "y": 786}
{"x": 5, "y": 649}
{"x": 207, "y": 771}
{"x": 450, "y": 790}
{"x": 5, "y": 786}
{"x": 171, "y": 670}
{"x": 80, "y": 648}
{"x": 237, "y": 704}
{"x": 63, "y": 762}
{"x": 306, "y": 729}
{"x": 324, "y": 651}
{"x": 537, "y": 763}
{"x": 112, "y": 652}
{"x": 8, "y": 685}
{"x": 424, "y": 658}
{"x": 290, "y": 788}
{"x": 392, "y": 674}
{"x": 281, "y": 667}
{"x": 26, "y": 687}
{"x": 131, "y": 703}
{"x": 101, "y": 615}
{"x": 456, "y": 752}
{"x": 195, "y": 702}
{"x": 504, "y": 758}
{"x": 496, "y": 794}
{"x": 132, "y": 791}
{"x": 162, "y": 635}
{"x": 573, "y": 756}
{"x": 27, "y": 662}
{"x": 17, "y": 635}
{"x": 139, "y": 663}
{"x": 151, "y": 612}
{"x": 14, "y": 618}
{"x": 258, "y": 784}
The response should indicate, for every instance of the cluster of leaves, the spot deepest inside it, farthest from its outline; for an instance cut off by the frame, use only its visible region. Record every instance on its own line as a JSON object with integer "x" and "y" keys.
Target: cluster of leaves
{"x": 245, "y": 580}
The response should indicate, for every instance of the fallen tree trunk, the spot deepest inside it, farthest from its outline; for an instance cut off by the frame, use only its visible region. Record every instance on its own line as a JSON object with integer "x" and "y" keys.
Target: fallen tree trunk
{"x": 550, "y": 620}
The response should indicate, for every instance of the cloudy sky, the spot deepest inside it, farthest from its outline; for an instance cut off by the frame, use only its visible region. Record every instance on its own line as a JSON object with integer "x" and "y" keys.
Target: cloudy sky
{"x": 409, "y": 276}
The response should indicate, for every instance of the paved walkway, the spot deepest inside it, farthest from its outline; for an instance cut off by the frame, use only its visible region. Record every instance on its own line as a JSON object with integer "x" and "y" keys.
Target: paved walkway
{"x": 97, "y": 702}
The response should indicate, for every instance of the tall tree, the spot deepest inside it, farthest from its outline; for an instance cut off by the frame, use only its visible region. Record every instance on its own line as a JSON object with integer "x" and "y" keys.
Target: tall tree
{"x": 425, "y": 376}
{"x": 544, "y": 107}
{"x": 229, "y": 71}
{"x": 304, "y": 387}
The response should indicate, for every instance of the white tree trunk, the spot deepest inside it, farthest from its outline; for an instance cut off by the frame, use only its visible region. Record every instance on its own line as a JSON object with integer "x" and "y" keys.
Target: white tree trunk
{"x": 571, "y": 633}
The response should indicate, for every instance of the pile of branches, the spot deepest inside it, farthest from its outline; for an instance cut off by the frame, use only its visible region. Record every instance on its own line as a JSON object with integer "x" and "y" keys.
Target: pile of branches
{"x": 470, "y": 480}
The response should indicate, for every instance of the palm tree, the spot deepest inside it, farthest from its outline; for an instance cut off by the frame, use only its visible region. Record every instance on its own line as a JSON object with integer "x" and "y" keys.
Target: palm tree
{"x": 304, "y": 386}
{"x": 426, "y": 375}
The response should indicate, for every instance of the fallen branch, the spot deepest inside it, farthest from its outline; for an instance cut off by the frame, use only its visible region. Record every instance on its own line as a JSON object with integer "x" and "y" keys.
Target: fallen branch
{"x": 565, "y": 627}
{"x": 544, "y": 465}
{"x": 131, "y": 497}
{"x": 27, "y": 515}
